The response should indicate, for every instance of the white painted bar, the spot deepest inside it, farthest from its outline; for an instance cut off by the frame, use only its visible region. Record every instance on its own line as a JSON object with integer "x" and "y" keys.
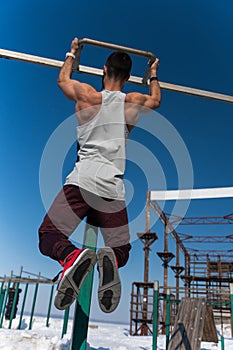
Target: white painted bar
{"x": 197, "y": 193}
{"x": 99, "y": 72}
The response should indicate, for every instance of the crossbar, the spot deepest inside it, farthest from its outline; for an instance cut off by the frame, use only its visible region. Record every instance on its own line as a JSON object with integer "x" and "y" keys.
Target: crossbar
{"x": 86, "y": 41}
{"x": 198, "y": 193}
{"x": 8, "y": 54}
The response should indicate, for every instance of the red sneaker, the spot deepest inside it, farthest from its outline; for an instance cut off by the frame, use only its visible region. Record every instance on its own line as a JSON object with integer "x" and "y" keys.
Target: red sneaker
{"x": 76, "y": 267}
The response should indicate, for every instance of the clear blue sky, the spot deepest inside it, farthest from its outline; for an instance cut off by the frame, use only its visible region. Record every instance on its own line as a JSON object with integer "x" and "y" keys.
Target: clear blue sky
{"x": 194, "y": 43}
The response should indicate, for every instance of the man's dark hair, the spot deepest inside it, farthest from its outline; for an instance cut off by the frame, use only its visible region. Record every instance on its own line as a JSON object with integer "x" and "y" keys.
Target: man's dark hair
{"x": 119, "y": 65}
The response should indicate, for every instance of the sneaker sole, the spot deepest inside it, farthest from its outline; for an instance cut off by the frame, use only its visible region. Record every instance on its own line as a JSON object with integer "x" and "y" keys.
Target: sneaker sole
{"x": 109, "y": 294}
{"x": 69, "y": 287}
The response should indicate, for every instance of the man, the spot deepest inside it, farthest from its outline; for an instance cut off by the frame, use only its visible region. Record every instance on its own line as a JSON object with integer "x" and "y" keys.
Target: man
{"x": 95, "y": 188}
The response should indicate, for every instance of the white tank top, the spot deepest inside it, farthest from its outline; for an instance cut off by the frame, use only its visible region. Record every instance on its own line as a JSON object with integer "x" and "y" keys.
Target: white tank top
{"x": 102, "y": 142}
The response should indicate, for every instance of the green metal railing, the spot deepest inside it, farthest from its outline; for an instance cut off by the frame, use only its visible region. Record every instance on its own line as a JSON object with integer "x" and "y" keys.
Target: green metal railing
{"x": 83, "y": 303}
{"x": 167, "y": 299}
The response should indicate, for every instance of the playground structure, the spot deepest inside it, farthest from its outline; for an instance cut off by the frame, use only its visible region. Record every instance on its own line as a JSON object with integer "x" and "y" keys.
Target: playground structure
{"x": 207, "y": 274}
{"x": 194, "y": 322}
{"x": 213, "y": 286}
{"x": 10, "y": 292}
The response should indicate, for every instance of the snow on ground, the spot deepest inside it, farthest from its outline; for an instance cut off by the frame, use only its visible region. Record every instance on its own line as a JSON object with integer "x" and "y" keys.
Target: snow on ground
{"x": 101, "y": 336}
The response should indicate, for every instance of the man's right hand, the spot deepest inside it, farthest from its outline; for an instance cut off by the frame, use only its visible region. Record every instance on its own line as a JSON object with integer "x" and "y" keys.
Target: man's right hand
{"x": 155, "y": 66}
{"x": 74, "y": 46}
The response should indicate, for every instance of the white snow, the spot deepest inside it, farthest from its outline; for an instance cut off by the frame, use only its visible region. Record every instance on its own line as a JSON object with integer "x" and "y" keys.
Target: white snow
{"x": 101, "y": 336}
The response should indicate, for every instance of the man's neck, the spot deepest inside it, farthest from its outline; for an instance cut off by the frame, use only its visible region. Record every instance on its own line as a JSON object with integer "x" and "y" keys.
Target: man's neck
{"x": 113, "y": 85}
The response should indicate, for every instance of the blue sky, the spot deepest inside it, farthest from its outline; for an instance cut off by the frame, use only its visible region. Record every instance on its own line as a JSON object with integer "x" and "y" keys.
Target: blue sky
{"x": 194, "y": 43}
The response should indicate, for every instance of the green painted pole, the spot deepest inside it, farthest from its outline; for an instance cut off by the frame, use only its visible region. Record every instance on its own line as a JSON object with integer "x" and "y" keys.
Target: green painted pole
{"x": 50, "y": 305}
{"x": 83, "y": 303}
{"x": 5, "y": 300}
{"x": 14, "y": 305}
{"x": 2, "y": 295}
{"x": 65, "y": 321}
{"x": 222, "y": 343}
{"x": 168, "y": 308}
{"x": 34, "y": 303}
{"x": 23, "y": 306}
{"x": 231, "y": 301}
{"x": 17, "y": 291}
{"x": 155, "y": 314}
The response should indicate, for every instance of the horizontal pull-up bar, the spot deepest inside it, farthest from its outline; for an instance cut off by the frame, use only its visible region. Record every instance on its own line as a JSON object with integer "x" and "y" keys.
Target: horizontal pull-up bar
{"x": 116, "y": 47}
{"x": 99, "y": 72}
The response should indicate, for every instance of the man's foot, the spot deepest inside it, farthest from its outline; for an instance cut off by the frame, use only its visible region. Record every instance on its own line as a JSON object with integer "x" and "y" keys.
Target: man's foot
{"x": 76, "y": 267}
{"x": 109, "y": 291}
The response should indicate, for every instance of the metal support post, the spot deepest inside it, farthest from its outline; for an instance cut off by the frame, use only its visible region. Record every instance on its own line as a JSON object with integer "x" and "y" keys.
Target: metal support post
{"x": 2, "y": 295}
{"x": 222, "y": 343}
{"x": 34, "y": 303}
{"x": 165, "y": 275}
{"x": 5, "y": 300}
{"x": 15, "y": 300}
{"x": 65, "y": 321}
{"x": 231, "y": 301}
{"x": 83, "y": 303}
{"x": 168, "y": 315}
{"x": 155, "y": 314}
{"x": 16, "y": 292}
{"x": 23, "y": 305}
{"x": 50, "y": 305}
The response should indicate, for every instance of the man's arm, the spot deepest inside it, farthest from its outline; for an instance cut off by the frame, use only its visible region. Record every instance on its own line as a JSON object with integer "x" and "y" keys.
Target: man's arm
{"x": 72, "y": 89}
{"x": 152, "y": 100}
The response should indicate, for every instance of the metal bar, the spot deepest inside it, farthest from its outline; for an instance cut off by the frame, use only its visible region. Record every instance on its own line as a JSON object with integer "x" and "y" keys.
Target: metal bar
{"x": 65, "y": 321}
{"x": 25, "y": 280}
{"x": 168, "y": 313}
{"x": 154, "y": 205}
{"x": 13, "y": 305}
{"x": 231, "y": 301}
{"x": 110, "y": 46}
{"x": 155, "y": 314}
{"x": 99, "y": 72}
{"x": 34, "y": 303}
{"x": 222, "y": 343}
{"x": 13, "y": 308}
{"x": 50, "y": 305}
{"x": 2, "y": 295}
{"x": 147, "y": 72}
{"x": 197, "y": 193}
{"x": 83, "y": 303}
{"x": 23, "y": 305}
{"x": 196, "y": 92}
{"x": 5, "y": 301}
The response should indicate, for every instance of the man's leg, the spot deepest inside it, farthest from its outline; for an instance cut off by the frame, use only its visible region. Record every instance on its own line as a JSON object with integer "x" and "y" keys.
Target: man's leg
{"x": 66, "y": 212}
{"x": 64, "y": 215}
{"x": 113, "y": 222}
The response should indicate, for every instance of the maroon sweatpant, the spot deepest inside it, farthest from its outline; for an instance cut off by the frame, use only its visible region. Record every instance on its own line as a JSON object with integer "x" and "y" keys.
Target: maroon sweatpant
{"x": 69, "y": 208}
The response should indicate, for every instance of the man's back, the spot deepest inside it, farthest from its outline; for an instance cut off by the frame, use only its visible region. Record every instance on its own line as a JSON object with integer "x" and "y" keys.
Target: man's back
{"x": 102, "y": 142}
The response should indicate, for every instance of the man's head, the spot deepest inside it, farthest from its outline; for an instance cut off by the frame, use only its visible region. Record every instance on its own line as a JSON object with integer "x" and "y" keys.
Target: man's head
{"x": 118, "y": 66}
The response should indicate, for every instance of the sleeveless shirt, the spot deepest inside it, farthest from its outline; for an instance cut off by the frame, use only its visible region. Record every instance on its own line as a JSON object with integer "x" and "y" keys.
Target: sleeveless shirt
{"x": 102, "y": 142}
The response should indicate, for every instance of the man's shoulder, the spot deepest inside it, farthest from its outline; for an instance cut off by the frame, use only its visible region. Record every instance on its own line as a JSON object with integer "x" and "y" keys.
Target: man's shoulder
{"x": 133, "y": 97}
{"x": 89, "y": 93}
